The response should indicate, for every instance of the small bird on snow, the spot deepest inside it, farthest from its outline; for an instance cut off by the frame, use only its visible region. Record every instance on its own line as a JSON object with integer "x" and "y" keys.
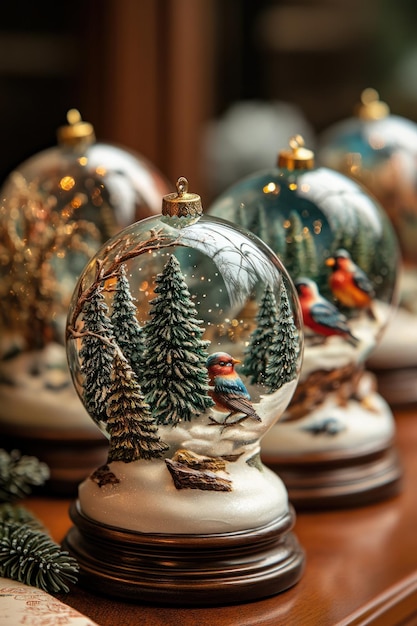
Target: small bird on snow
{"x": 229, "y": 393}
{"x": 321, "y": 315}
{"x": 349, "y": 284}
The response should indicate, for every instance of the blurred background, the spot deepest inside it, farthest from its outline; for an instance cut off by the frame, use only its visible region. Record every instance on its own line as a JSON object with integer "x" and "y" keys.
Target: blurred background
{"x": 162, "y": 76}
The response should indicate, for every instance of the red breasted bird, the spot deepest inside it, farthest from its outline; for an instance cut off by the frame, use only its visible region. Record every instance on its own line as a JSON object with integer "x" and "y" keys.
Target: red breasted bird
{"x": 321, "y": 315}
{"x": 349, "y": 284}
{"x": 229, "y": 393}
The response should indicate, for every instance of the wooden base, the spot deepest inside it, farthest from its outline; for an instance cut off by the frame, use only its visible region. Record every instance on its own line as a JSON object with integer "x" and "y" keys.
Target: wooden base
{"x": 70, "y": 455}
{"x": 339, "y": 479}
{"x": 398, "y": 386}
{"x": 186, "y": 570}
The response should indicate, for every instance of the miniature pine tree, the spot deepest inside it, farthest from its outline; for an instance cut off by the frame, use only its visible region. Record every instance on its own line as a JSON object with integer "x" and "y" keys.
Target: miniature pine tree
{"x": 18, "y": 474}
{"x": 344, "y": 222}
{"x": 241, "y": 216}
{"x": 175, "y": 379}
{"x": 284, "y": 350}
{"x": 310, "y": 254}
{"x": 295, "y": 251}
{"x": 31, "y": 557}
{"x": 259, "y": 224}
{"x": 133, "y": 431}
{"x": 385, "y": 263}
{"x": 97, "y": 353}
{"x": 278, "y": 241}
{"x": 360, "y": 250}
{"x": 127, "y": 331}
{"x": 261, "y": 338}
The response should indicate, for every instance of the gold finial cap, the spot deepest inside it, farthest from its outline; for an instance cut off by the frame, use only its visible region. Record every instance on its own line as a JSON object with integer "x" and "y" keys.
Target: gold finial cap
{"x": 298, "y": 157}
{"x": 371, "y": 107}
{"x": 76, "y": 130}
{"x": 182, "y": 203}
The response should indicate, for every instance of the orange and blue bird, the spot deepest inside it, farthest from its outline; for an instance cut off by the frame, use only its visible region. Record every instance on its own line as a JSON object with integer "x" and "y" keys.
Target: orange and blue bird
{"x": 349, "y": 284}
{"x": 319, "y": 314}
{"x": 228, "y": 390}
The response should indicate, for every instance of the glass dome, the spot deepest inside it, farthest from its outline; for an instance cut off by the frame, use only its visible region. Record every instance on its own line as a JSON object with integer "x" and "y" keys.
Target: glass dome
{"x": 57, "y": 208}
{"x": 184, "y": 342}
{"x": 379, "y": 150}
{"x": 340, "y": 250}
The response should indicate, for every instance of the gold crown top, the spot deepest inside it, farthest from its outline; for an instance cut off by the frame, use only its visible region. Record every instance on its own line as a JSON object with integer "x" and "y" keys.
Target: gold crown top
{"x": 182, "y": 203}
{"x": 371, "y": 107}
{"x": 298, "y": 157}
{"x": 76, "y": 130}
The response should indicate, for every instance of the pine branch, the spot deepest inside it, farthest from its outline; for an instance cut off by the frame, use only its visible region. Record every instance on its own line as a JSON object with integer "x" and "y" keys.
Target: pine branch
{"x": 18, "y": 474}
{"x": 14, "y": 514}
{"x": 31, "y": 557}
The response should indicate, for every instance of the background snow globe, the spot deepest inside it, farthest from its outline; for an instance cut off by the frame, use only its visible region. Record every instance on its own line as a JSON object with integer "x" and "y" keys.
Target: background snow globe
{"x": 335, "y": 443}
{"x": 184, "y": 342}
{"x": 379, "y": 150}
{"x": 57, "y": 208}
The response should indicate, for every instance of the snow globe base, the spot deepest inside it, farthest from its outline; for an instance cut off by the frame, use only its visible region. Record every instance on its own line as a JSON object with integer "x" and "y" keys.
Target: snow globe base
{"x": 398, "y": 386}
{"x": 327, "y": 482}
{"x": 394, "y": 361}
{"x": 186, "y": 569}
{"x": 338, "y": 454}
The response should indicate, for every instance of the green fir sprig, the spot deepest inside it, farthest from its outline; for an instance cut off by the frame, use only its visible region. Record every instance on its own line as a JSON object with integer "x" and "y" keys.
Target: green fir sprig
{"x": 27, "y": 552}
{"x": 14, "y": 514}
{"x": 18, "y": 474}
{"x": 31, "y": 557}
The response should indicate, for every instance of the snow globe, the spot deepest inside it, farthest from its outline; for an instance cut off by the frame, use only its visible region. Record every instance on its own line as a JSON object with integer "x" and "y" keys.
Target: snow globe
{"x": 335, "y": 444}
{"x": 184, "y": 340}
{"x": 379, "y": 150}
{"x": 57, "y": 208}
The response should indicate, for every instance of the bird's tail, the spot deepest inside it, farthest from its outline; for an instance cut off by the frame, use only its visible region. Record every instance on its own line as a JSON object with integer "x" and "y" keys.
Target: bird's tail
{"x": 255, "y": 416}
{"x": 371, "y": 314}
{"x": 354, "y": 341}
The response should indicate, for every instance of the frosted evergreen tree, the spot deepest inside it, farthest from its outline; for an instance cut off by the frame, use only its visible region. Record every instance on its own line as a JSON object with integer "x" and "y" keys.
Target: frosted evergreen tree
{"x": 127, "y": 330}
{"x": 97, "y": 354}
{"x": 174, "y": 376}
{"x": 133, "y": 430}
{"x": 361, "y": 250}
{"x": 278, "y": 238}
{"x": 242, "y": 216}
{"x": 259, "y": 225}
{"x": 261, "y": 339}
{"x": 284, "y": 350}
{"x": 310, "y": 254}
{"x": 345, "y": 223}
{"x": 294, "y": 260}
{"x": 385, "y": 260}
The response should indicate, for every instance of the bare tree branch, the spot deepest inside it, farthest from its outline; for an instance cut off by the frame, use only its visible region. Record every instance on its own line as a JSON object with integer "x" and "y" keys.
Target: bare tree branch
{"x": 155, "y": 242}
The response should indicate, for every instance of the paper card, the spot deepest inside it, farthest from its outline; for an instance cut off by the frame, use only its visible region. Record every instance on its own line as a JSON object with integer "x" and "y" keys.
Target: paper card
{"x": 29, "y": 606}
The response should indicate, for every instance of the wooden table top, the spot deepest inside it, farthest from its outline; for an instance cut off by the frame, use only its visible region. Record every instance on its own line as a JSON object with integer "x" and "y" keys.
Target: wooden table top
{"x": 361, "y": 565}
